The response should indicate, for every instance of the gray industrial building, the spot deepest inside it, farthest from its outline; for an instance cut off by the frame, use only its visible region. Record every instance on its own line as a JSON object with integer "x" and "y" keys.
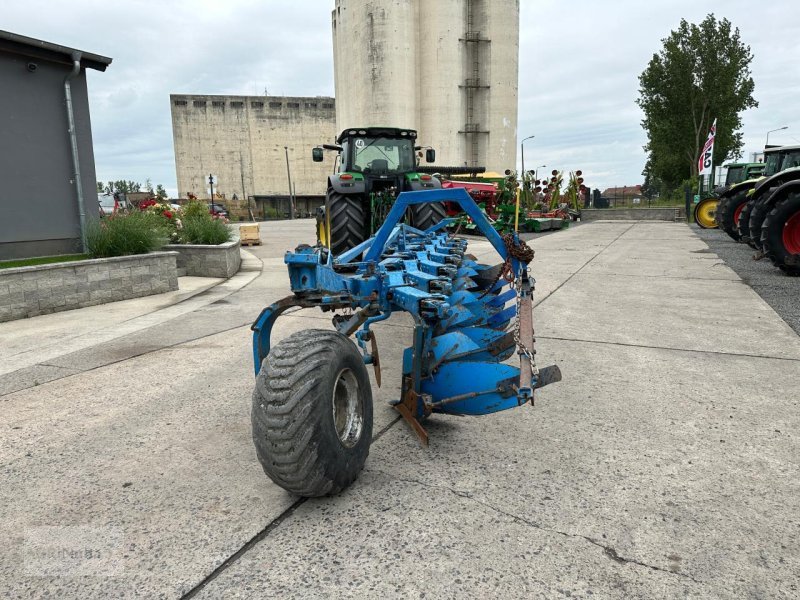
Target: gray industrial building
{"x": 247, "y": 143}
{"x": 46, "y": 138}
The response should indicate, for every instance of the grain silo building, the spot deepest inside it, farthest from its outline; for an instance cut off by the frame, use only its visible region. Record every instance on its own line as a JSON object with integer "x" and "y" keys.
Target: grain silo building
{"x": 447, "y": 68}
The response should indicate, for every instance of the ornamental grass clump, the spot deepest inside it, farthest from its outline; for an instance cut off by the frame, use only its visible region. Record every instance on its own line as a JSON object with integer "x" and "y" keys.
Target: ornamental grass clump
{"x": 137, "y": 232}
{"x": 204, "y": 229}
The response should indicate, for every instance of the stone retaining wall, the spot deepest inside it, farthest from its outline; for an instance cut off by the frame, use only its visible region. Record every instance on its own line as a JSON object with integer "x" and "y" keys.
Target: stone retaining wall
{"x": 42, "y": 289}
{"x": 633, "y": 214}
{"x": 222, "y": 261}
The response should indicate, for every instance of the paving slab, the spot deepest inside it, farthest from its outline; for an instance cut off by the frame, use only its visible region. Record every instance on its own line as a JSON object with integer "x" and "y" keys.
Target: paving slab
{"x": 663, "y": 465}
{"x": 621, "y": 482}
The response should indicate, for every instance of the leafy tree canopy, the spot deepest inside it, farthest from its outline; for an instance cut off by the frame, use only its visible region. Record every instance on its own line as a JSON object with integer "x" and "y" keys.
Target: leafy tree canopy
{"x": 125, "y": 187}
{"x": 701, "y": 73}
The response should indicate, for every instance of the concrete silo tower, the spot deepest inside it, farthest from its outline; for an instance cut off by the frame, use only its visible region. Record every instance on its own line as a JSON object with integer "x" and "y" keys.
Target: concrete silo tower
{"x": 447, "y": 68}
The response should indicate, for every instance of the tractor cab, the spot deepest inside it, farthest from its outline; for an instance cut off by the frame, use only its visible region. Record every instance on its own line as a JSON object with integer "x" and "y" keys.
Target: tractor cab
{"x": 780, "y": 158}
{"x": 378, "y": 153}
{"x": 739, "y": 172}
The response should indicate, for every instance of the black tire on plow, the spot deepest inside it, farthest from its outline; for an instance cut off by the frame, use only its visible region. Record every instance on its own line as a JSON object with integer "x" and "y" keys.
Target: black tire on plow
{"x": 312, "y": 413}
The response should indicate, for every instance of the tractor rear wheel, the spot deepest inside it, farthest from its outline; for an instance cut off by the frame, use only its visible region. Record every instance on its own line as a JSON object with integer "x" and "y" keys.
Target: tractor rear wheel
{"x": 424, "y": 216}
{"x": 781, "y": 235}
{"x": 348, "y": 221}
{"x": 728, "y": 211}
{"x": 704, "y": 213}
{"x": 312, "y": 413}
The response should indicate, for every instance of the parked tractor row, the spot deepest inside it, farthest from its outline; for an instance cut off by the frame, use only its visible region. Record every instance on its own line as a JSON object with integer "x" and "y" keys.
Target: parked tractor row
{"x": 764, "y": 212}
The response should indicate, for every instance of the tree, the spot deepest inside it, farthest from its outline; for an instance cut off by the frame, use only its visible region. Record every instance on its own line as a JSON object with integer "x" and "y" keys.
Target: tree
{"x": 651, "y": 187}
{"x": 701, "y": 73}
{"x": 161, "y": 193}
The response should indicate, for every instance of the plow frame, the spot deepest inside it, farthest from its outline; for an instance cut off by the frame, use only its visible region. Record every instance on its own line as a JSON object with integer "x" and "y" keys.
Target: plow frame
{"x": 385, "y": 274}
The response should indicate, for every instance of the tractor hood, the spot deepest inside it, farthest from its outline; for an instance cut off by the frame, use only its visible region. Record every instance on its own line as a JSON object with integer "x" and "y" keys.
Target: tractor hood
{"x": 778, "y": 178}
{"x": 746, "y": 185}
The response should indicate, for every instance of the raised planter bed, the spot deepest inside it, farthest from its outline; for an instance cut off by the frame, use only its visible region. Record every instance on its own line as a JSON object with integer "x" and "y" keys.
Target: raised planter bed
{"x": 42, "y": 289}
{"x": 198, "y": 260}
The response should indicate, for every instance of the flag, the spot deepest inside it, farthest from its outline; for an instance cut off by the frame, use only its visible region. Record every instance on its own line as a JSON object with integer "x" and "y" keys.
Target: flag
{"x": 707, "y": 155}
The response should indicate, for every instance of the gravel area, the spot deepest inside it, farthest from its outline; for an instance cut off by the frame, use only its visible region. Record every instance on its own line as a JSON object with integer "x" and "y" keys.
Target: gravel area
{"x": 780, "y": 291}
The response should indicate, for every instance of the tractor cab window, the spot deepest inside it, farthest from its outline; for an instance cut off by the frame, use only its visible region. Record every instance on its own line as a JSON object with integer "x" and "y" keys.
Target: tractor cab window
{"x": 773, "y": 163}
{"x": 791, "y": 160}
{"x": 381, "y": 155}
{"x": 735, "y": 175}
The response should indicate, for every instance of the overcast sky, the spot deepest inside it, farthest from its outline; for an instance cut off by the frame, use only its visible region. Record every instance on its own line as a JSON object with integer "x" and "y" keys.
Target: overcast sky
{"x": 578, "y": 77}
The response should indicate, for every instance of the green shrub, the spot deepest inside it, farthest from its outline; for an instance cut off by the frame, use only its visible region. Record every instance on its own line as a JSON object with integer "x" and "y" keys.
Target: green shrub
{"x": 204, "y": 229}
{"x": 194, "y": 208}
{"x": 137, "y": 232}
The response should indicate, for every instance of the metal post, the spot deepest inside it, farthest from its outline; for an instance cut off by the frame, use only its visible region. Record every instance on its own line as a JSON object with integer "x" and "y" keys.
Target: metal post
{"x": 289, "y": 175}
{"x": 244, "y": 193}
{"x": 211, "y": 183}
{"x": 522, "y": 150}
{"x": 687, "y": 196}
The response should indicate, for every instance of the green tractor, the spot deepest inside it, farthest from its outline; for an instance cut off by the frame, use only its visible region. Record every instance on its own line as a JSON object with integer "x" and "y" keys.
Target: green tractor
{"x": 744, "y": 206}
{"x": 375, "y": 164}
{"x": 707, "y": 211}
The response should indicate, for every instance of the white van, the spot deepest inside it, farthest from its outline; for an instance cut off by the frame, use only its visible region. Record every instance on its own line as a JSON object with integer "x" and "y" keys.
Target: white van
{"x": 109, "y": 204}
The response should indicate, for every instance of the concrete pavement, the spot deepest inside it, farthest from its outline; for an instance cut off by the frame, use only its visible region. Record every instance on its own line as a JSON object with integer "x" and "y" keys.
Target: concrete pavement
{"x": 664, "y": 465}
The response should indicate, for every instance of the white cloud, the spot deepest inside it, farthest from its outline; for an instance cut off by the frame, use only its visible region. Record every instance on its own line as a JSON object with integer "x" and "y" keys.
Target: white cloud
{"x": 579, "y": 67}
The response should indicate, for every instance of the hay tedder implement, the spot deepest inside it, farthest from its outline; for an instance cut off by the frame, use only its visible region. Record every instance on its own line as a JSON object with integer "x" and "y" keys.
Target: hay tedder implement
{"x": 312, "y": 404}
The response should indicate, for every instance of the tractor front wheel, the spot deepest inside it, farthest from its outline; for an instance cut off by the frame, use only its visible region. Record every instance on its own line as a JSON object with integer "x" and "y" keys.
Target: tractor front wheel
{"x": 312, "y": 413}
{"x": 705, "y": 213}
{"x": 347, "y": 218}
{"x": 728, "y": 212}
{"x": 781, "y": 235}
{"x": 757, "y": 215}
{"x": 743, "y": 224}
{"x": 424, "y": 216}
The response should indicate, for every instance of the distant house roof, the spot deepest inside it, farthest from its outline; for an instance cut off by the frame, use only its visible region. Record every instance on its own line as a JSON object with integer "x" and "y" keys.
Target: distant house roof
{"x": 19, "y": 44}
{"x": 619, "y": 192}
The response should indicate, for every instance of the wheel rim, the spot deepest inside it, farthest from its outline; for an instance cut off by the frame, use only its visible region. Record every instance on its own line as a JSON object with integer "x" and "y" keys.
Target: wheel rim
{"x": 791, "y": 234}
{"x": 706, "y": 213}
{"x": 737, "y": 213}
{"x": 348, "y": 409}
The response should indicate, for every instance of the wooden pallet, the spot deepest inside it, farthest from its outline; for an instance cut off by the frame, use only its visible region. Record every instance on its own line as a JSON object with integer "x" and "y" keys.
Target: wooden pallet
{"x": 250, "y": 242}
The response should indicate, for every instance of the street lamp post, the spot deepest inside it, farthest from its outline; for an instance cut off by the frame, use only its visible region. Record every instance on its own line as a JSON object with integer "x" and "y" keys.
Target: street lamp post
{"x": 522, "y": 152}
{"x": 289, "y": 175}
{"x": 772, "y": 131}
{"x": 211, "y": 184}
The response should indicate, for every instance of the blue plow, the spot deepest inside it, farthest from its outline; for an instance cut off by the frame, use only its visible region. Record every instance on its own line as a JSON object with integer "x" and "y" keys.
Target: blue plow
{"x": 469, "y": 318}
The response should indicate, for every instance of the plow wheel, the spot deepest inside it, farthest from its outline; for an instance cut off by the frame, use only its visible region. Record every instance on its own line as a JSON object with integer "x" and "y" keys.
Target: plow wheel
{"x": 347, "y": 220}
{"x": 728, "y": 211}
{"x": 705, "y": 212}
{"x": 781, "y": 235}
{"x": 312, "y": 413}
{"x": 427, "y": 215}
